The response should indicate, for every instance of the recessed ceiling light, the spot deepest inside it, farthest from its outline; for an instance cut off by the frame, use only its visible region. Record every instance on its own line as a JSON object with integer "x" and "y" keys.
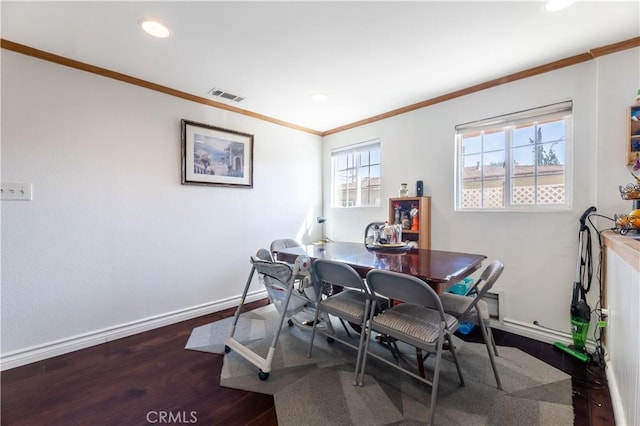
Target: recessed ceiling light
{"x": 555, "y": 5}
{"x": 155, "y": 28}
{"x": 318, "y": 97}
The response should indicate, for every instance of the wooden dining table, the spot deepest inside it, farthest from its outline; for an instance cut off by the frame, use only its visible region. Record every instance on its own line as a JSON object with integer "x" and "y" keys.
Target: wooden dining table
{"x": 440, "y": 269}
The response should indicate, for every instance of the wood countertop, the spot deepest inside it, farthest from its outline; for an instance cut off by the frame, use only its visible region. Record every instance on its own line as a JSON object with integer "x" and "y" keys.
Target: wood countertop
{"x": 624, "y": 246}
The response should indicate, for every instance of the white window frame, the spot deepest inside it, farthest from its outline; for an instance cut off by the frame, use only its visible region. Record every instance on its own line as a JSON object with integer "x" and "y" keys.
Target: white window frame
{"x": 557, "y": 111}
{"x": 355, "y": 149}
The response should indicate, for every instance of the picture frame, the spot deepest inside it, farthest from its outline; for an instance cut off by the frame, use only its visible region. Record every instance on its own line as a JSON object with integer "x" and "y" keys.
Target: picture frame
{"x": 214, "y": 156}
{"x": 633, "y": 135}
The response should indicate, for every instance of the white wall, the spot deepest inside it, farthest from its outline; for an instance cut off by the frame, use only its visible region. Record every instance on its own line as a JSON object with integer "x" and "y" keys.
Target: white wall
{"x": 112, "y": 242}
{"x": 618, "y": 73}
{"x": 538, "y": 249}
{"x": 618, "y": 78}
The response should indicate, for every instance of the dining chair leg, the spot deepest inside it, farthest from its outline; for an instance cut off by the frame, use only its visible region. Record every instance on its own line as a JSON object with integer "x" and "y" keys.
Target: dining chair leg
{"x": 394, "y": 349}
{"x": 359, "y": 360}
{"x": 493, "y": 341}
{"x": 361, "y": 342}
{"x": 487, "y": 343}
{"x": 434, "y": 384}
{"x": 313, "y": 332}
{"x": 365, "y": 338}
{"x": 420, "y": 360}
{"x": 345, "y": 327}
{"x": 363, "y": 361}
{"x": 452, "y": 349}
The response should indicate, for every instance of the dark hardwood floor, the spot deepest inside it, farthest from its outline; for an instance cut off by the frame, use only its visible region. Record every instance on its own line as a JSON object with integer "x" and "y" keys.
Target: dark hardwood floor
{"x": 591, "y": 398}
{"x": 150, "y": 377}
{"x": 132, "y": 381}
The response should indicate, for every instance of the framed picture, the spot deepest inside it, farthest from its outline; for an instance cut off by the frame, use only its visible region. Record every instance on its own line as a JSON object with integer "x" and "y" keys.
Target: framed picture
{"x": 215, "y": 156}
{"x": 633, "y": 136}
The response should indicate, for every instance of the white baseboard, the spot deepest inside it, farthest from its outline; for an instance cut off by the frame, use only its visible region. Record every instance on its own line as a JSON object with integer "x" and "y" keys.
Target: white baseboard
{"x": 536, "y": 332}
{"x": 618, "y": 409}
{"x": 82, "y": 341}
{"x": 532, "y": 331}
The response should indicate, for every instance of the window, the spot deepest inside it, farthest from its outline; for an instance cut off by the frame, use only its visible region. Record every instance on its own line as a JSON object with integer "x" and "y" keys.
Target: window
{"x": 516, "y": 161}
{"x": 355, "y": 175}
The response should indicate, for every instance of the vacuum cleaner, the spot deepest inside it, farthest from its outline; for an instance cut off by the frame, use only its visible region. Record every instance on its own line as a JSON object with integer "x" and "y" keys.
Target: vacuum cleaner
{"x": 580, "y": 310}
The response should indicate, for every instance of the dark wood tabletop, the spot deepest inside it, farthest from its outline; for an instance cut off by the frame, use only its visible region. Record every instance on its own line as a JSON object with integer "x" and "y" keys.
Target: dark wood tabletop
{"x": 440, "y": 269}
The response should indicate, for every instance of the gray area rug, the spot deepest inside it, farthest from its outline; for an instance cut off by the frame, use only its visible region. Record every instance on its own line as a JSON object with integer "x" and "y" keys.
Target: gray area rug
{"x": 319, "y": 390}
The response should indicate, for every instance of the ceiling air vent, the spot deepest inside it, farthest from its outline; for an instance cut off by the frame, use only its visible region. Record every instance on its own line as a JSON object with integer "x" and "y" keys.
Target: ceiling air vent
{"x": 226, "y": 95}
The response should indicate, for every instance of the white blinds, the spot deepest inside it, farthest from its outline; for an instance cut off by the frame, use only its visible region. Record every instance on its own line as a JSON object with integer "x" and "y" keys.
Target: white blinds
{"x": 356, "y": 147}
{"x": 536, "y": 114}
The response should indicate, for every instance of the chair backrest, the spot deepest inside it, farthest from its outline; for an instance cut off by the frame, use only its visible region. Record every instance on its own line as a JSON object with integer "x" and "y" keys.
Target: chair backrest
{"x": 405, "y": 288}
{"x": 282, "y": 244}
{"x": 264, "y": 254}
{"x": 338, "y": 274}
{"x": 277, "y": 270}
{"x": 487, "y": 279}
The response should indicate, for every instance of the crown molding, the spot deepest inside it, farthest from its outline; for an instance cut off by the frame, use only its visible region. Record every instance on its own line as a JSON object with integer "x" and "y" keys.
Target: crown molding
{"x": 61, "y": 60}
{"x": 552, "y": 66}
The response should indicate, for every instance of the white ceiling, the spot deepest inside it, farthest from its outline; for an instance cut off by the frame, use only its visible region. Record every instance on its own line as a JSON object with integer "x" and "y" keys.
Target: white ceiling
{"x": 367, "y": 57}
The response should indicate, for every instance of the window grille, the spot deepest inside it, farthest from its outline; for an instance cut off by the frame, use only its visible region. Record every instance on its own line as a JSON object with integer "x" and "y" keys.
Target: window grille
{"x": 517, "y": 161}
{"x": 355, "y": 175}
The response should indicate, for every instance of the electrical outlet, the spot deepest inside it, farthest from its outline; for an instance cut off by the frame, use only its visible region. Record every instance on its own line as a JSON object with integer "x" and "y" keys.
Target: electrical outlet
{"x": 16, "y": 191}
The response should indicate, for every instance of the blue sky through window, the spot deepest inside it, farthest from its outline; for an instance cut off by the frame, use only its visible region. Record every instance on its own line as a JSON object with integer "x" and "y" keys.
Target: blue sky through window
{"x": 488, "y": 148}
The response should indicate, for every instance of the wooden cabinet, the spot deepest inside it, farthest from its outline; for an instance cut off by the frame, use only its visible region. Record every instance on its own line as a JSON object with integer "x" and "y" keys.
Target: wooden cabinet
{"x": 403, "y": 205}
{"x": 621, "y": 294}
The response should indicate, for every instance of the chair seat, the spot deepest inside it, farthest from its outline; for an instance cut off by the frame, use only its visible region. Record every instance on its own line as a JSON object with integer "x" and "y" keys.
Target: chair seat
{"x": 456, "y": 304}
{"x": 412, "y": 324}
{"x": 348, "y": 304}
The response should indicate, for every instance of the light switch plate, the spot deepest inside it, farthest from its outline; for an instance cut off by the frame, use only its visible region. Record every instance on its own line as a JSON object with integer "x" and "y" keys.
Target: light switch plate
{"x": 16, "y": 191}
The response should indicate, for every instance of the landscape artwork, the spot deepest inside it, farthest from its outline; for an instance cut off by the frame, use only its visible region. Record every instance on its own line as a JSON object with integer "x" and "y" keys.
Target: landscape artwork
{"x": 216, "y": 156}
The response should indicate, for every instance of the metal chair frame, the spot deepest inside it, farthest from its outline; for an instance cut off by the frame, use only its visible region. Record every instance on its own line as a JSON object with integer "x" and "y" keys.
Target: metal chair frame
{"x": 419, "y": 321}
{"x": 473, "y": 314}
{"x": 352, "y": 304}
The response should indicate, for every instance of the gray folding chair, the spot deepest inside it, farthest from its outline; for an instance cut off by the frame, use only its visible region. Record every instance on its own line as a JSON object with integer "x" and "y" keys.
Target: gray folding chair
{"x": 352, "y": 304}
{"x": 472, "y": 309}
{"x": 282, "y": 244}
{"x": 419, "y": 322}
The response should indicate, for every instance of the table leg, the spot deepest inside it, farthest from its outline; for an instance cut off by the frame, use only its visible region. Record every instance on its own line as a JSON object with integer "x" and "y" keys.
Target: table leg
{"x": 420, "y": 362}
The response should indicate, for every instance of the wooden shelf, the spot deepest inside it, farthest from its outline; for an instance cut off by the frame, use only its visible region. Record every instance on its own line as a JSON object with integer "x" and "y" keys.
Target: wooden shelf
{"x": 633, "y": 134}
{"x": 423, "y": 235}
